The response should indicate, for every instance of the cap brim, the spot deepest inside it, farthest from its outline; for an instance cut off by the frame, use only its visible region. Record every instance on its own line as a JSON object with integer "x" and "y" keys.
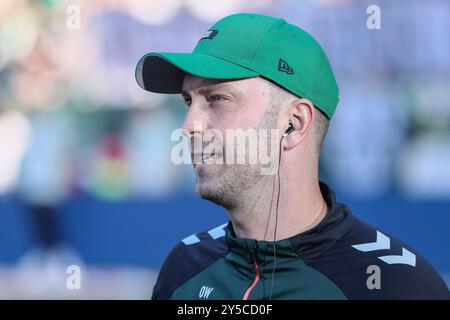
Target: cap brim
{"x": 163, "y": 72}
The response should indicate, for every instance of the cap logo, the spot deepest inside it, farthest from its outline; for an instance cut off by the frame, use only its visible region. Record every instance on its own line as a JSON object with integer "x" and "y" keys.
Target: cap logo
{"x": 284, "y": 67}
{"x": 210, "y": 34}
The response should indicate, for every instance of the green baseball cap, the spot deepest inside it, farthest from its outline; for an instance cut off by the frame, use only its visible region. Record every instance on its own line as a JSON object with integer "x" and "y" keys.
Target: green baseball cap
{"x": 243, "y": 46}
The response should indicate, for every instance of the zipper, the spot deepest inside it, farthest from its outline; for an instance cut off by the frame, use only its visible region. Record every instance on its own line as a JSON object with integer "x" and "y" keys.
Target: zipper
{"x": 253, "y": 251}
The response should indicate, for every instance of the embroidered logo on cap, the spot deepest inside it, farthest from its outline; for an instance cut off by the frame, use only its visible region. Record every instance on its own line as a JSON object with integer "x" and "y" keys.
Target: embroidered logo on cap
{"x": 284, "y": 67}
{"x": 210, "y": 34}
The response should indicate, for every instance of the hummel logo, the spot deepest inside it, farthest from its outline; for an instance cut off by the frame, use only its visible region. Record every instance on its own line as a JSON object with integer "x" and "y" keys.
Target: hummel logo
{"x": 215, "y": 233}
{"x": 284, "y": 67}
{"x": 384, "y": 243}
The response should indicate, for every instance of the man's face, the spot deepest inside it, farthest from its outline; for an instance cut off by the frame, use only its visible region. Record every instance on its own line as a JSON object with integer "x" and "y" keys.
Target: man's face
{"x": 224, "y": 105}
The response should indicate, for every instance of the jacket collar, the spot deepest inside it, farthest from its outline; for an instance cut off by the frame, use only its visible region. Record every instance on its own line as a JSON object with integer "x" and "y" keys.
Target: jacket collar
{"x": 311, "y": 243}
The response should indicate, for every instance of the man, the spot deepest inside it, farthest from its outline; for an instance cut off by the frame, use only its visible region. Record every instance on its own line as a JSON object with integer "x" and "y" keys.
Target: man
{"x": 287, "y": 238}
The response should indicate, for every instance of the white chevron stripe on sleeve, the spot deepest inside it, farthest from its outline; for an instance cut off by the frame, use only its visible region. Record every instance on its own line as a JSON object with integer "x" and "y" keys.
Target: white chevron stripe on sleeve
{"x": 407, "y": 257}
{"x": 383, "y": 242}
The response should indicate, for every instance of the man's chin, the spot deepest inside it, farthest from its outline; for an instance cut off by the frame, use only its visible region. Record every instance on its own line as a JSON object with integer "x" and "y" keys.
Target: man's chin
{"x": 209, "y": 189}
{"x": 206, "y": 191}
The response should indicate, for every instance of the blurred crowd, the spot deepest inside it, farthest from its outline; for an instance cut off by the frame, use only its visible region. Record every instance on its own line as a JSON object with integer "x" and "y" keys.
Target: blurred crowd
{"x": 73, "y": 119}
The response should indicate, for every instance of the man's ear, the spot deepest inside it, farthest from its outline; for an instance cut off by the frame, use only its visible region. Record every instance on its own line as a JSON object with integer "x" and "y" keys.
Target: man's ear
{"x": 301, "y": 114}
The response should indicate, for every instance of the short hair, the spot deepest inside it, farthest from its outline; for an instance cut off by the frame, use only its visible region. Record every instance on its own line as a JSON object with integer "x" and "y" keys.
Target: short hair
{"x": 321, "y": 122}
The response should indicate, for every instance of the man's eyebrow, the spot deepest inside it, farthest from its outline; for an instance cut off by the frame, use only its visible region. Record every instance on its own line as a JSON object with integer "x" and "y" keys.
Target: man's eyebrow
{"x": 209, "y": 88}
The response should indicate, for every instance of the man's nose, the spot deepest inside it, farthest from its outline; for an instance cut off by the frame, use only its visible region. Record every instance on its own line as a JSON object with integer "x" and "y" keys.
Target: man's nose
{"x": 195, "y": 122}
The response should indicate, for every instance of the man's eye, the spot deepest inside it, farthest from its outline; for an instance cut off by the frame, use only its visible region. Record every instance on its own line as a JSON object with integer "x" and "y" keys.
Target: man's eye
{"x": 217, "y": 98}
{"x": 187, "y": 102}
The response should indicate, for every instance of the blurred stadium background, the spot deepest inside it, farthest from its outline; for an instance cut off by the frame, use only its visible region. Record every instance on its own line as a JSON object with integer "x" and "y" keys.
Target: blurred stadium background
{"x": 85, "y": 171}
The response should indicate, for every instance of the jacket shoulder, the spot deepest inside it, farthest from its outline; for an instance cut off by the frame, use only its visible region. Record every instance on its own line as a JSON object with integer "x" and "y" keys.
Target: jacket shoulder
{"x": 368, "y": 263}
{"x": 189, "y": 257}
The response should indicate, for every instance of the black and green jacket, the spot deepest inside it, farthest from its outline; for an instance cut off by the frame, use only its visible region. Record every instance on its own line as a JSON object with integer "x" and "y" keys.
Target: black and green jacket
{"x": 340, "y": 258}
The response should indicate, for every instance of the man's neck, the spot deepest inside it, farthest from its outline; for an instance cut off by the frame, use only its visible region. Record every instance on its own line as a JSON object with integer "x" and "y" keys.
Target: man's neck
{"x": 300, "y": 208}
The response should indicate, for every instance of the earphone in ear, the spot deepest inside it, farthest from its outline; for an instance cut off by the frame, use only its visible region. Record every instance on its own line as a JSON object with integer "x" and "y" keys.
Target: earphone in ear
{"x": 289, "y": 130}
